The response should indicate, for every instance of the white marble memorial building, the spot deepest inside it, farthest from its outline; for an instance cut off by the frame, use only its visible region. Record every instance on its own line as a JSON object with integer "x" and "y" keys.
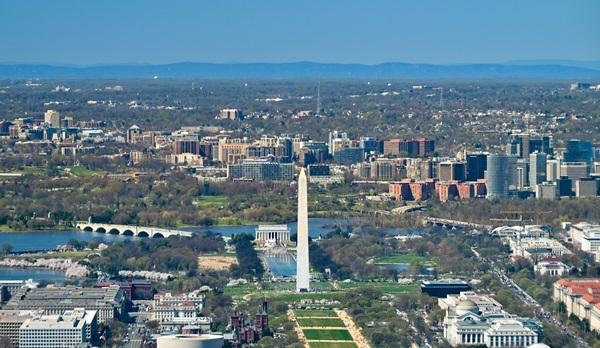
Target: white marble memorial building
{"x": 272, "y": 233}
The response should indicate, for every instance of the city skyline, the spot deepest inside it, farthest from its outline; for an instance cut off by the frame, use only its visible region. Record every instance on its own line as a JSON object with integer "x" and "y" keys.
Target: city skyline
{"x": 432, "y": 32}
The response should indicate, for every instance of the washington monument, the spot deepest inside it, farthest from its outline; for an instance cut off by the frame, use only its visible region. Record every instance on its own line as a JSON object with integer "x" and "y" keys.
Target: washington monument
{"x": 302, "y": 272}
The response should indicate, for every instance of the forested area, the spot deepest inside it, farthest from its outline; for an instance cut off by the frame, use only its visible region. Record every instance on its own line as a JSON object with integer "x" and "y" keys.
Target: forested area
{"x": 169, "y": 255}
{"x": 377, "y": 108}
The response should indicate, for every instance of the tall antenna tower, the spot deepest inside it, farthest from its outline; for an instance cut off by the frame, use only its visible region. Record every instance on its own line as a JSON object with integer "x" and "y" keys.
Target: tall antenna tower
{"x": 442, "y": 98}
{"x": 318, "y": 98}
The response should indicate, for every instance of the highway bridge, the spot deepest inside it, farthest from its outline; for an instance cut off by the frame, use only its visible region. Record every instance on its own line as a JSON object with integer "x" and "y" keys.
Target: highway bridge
{"x": 453, "y": 223}
{"x": 134, "y": 231}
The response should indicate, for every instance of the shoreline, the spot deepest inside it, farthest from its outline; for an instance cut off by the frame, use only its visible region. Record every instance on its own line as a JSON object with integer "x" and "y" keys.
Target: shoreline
{"x": 62, "y": 229}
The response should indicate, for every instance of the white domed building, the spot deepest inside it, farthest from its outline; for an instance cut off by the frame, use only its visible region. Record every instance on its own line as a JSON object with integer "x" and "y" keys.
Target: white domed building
{"x": 467, "y": 324}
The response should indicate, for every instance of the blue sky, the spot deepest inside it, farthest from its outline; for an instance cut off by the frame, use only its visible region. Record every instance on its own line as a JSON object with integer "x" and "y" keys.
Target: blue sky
{"x": 86, "y": 32}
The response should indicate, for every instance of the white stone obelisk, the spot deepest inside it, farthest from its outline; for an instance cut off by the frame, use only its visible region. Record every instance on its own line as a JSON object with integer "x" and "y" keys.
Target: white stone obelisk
{"x": 302, "y": 272}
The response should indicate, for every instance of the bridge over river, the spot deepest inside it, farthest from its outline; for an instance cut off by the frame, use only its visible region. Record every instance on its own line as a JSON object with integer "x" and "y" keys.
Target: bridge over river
{"x": 134, "y": 231}
{"x": 453, "y": 223}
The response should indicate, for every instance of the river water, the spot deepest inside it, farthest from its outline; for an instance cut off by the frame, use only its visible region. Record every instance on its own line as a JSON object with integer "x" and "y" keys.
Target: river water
{"x": 37, "y": 274}
{"x": 27, "y": 241}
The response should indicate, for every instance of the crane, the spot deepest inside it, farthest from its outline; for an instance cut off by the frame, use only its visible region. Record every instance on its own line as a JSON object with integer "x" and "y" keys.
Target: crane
{"x": 538, "y": 214}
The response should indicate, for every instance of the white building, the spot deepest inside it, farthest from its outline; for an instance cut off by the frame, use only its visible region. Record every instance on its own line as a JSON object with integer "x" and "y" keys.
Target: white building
{"x": 467, "y": 324}
{"x": 167, "y": 307}
{"x": 337, "y": 140}
{"x": 273, "y": 234}
{"x": 52, "y": 118}
{"x": 67, "y": 330}
{"x": 587, "y": 237}
{"x": 550, "y": 266}
{"x": 534, "y": 248}
{"x": 484, "y": 302}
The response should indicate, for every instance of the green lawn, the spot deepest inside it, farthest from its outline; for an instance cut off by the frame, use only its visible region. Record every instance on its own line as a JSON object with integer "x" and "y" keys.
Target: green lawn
{"x": 401, "y": 258}
{"x": 333, "y": 335}
{"x": 321, "y": 322}
{"x": 287, "y": 297}
{"x": 241, "y": 290}
{"x": 392, "y": 288}
{"x": 215, "y": 202}
{"x": 300, "y": 313}
{"x": 332, "y": 345}
{"x": 315, "y": 286}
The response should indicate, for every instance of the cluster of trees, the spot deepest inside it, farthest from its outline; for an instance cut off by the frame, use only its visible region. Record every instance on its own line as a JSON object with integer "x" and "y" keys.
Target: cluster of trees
{"x": 249, "y": 264}
{"x": 174, "y": 254}
{"x": 481, "y": 210}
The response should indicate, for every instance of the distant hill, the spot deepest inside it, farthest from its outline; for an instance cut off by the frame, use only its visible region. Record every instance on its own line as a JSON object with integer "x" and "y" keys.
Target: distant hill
{"x": 299, "y": 70}
{"x": 594, "y": 65}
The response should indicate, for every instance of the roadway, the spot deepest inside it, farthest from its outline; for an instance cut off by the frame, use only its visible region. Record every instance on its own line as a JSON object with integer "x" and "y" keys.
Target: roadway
{"x": 530, "y": 301}
{"x": 136, "y": 331}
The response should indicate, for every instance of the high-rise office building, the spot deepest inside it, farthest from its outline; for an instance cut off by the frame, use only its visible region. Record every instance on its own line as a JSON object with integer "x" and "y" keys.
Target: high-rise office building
{"x": 500, "y": 174}
{"x": 579, "y": 151}
{"x": 133, "y": 134}
{"x": 337, "y": 141}
{"x": 260, "y": 169}
{"x": 476, "y": 166}
{"x": 52, "y": 118}
{"x": 537, "y": 169}
{"x": 574, "y": 171}
{"x": 451, "y": 171}
{"x": 232, "y": 114}
{"x": 553, "y": 170}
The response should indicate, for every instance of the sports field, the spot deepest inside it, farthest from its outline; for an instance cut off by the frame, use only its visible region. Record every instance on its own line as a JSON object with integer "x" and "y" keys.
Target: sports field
{"x": 327, "y": 335}
{"x": 314, "y": 314}
{"x": 321, "y": 322}
{"x": 332, "y": 345}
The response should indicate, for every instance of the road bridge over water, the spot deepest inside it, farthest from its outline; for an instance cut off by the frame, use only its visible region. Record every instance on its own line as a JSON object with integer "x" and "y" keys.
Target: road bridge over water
{"x": 453, "y": 223}
{"x": 134, "y": 231}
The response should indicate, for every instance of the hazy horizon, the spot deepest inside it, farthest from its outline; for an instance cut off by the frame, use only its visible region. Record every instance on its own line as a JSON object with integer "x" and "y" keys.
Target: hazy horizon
{"x": 153, "y": 32}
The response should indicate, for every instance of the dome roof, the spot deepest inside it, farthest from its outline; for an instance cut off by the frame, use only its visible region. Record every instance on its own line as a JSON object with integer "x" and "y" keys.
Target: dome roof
{"x": 467, "y": 306}
{"x": 539, "y": 345}
{"x": 467, "y": 303}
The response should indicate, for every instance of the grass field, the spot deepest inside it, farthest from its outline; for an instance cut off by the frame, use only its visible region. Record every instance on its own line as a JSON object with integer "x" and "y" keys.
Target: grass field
{"x": 333, "y": 335}
{"x": 314, "y": 286}
{"x": 241, "y": 290}
{"x": 332, "y": 345}
{"x": 402, "y": 258}
{"x": 321, "y": 322}
{"x": 297, "y": 297}
{"x": 392, "y": 288}
{"x": 300, "y": 313}
{"x": 215, "y": 202}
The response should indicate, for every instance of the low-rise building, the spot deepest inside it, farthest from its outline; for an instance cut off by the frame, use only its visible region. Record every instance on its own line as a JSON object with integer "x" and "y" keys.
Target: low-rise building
{"x": 581, "y": 298}
{"x": 443, "y": 287}
{"x": 587, "y": 237}
{"x": 109, "y": 302}
{"x": 551, "y": 266}
{"x": 11, "y": 321}
{"x": 70, "y": 329}
{"x": 466, "y": 323}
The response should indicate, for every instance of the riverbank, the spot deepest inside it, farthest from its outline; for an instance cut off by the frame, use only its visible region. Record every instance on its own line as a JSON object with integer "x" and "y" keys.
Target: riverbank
{"x": 71, "y": 269}
{"x": 6, "y": 229}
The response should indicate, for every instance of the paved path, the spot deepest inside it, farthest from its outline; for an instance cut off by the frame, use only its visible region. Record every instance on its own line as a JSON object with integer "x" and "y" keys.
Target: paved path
{"x": 358, "y": 337}
{"x": 301, "y": 337}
